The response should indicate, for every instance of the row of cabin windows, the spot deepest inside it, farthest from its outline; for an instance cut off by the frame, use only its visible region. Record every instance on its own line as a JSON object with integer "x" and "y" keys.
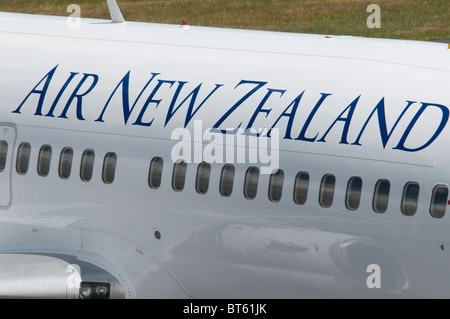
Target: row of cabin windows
{"x": 65, "y": 162}
{"x": 380, "y": 199}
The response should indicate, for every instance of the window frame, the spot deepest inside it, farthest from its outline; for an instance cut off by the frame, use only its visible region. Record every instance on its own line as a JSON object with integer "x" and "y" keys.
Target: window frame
{"x": 63, "y": 163}
{"x": 87, "y": 167}
{"x": 444, "y": 203}
{"x": 406, "y": 203}
{"x": 109, "y": 167}
{"x": 251, "y": 180}
{"x": 226, "y": 182}
{"x": 3, "y": 154}
{"x": 177, "y": 166}
{"x": 329, "y": 192}
{"x": 273, "y": 189}
{"x": 376, "y": 196}
{"x": 304, "y": 189}
{"x": 350, "y": 193}
{"x": 22, "y": 165}
{"x": 155, "y": 172}
{"x": 43, "y": 165}
{"x": 201, "y": 179}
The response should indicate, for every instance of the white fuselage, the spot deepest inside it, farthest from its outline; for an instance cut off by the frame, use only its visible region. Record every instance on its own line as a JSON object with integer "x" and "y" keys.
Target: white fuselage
{"x": 341, "y": 106}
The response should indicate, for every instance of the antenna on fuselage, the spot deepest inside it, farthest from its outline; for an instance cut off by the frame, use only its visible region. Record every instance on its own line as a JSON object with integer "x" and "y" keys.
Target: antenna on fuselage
{"x": 114, "y": 11}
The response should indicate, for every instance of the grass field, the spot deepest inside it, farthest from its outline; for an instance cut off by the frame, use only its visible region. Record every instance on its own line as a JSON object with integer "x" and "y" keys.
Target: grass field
{"x": 403, "y": 19}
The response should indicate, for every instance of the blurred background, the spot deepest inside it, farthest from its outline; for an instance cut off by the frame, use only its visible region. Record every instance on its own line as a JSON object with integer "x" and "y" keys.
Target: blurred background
{"x": 400, "y": 19}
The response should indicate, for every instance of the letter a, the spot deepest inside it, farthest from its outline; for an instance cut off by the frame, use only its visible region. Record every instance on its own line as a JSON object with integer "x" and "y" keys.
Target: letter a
{"x": 374, "y": 279}
{"x": 182, "y": 149}
{"x": 374, "y": 20}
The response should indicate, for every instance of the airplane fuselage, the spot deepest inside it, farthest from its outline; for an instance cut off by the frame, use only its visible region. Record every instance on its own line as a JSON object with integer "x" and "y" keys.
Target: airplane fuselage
{"x": 118, "y": 153}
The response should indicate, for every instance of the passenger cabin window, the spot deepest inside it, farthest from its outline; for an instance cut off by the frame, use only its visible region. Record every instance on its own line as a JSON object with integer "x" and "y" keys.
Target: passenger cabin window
{"x": 327, "y": 190}
{"x": 251, "y": 182}
{"x": 226, "y": 180}
{"x": 410, "y": 198}
{"x": 202, "y": 181}
{"x": 155, "y": 172}
{"x": 109, "y": 168}
{"x": 179, "y": 176}
{"x": 45, "y": 156}
{"x": 353, "y": 195}
{"x": 23, "y": 158}
{"x": 276, "y": 185}
{"x": 87, "y": 165}
{"x": 65, "y": 163}
{"x": 381, "y": 196}
{"x": 439, "y": 199}
{"x": 301, "y": 188}
{"x": 3, "y": 154}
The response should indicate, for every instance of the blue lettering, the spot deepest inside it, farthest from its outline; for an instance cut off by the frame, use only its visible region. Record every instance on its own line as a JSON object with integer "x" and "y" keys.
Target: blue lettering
{"x": 79, "y": 97}
{"x": 258, "y": 85}
{"x": 48, "y": 77}
{"x": 260, "y": 109}
{"x": 195, "y": 104}
{"x": 382, "y": 122}
{"x": 347, "y": 120}
{"x": 444, "y": 119}
{"x": 291, "y": 116}
{"x": 58, "y": 97}
{"x": 151, "y": 100}
{"x": 193, "y": 96}
{"x": 302, "y": 136}
{"x": 125, "y": 83}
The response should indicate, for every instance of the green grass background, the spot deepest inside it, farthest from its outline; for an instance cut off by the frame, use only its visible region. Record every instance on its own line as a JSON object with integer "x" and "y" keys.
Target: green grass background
{"x": 402, "y": 19}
